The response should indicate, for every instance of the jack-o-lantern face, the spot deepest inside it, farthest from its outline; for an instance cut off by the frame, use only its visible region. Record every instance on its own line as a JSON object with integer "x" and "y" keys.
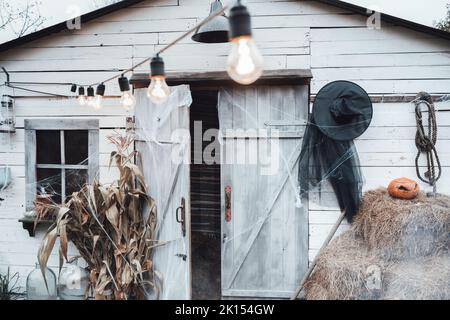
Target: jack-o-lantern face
{"x": 403, "y": 188}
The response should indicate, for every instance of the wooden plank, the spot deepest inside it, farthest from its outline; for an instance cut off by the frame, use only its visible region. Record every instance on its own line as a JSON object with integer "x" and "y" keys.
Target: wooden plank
{"x": 61, "y": 124}
{"x": 81, "y": 53}
{"x": 381, "y": 60}
{"x": 382, "y": 73}
{"x": 168, "y": 184}
{"x": 63, "y": 162}
{"x": 257, "y": 227}
{"x": 411, "y": 87}
{"x": 93, "y": 151}
{"x": 278, "y": 77}
{"x": 62, "y": 166}
{"x": 387, "y": 32}
{"x": 105, "y": 122}
{"x": 381, "y": 46}
{"x": 67, "y": 65}
{"x": 272, "y": 294}
{"x": 30, "y": 165}
{"x": 61, "y": 107}
{"x": 272, "y": 250}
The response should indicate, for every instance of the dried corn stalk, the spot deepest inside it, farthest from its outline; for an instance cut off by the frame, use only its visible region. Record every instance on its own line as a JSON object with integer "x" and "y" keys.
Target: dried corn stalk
{"x": 106, "y": 224}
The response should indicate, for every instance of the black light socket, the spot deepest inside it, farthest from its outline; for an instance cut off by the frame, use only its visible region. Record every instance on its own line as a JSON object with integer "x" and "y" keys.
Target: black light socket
{"x": 100, "y": 90}
{"x": 124, "y": 84}
{"x": 73, "y": 88}
{"x": 157, "y": 66}
{"x": 90, "y": 92}
{"x": 81, "y": 91}
{"x": 240, "y": 21}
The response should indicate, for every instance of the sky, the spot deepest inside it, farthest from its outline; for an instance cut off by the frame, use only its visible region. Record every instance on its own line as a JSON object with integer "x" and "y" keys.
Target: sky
{"x": 425, "y": 12}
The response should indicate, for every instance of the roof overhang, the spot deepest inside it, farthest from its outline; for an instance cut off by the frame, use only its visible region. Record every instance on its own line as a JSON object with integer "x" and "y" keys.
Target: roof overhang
{"x": 388, "y": 18}
{"x": 201, "y": 80}
{"x": 63, "y": 25}
{"x": 126, "y": 3}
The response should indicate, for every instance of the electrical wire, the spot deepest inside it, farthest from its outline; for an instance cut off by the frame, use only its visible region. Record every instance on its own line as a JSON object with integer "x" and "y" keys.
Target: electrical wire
{"x": 37, "y": 91}
{"x": 165, "y": 48}
{"x": 168, "y": 46}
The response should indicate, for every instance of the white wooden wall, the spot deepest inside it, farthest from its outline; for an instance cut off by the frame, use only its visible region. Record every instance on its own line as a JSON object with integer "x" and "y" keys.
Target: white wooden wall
{"x": 291, "y": 34}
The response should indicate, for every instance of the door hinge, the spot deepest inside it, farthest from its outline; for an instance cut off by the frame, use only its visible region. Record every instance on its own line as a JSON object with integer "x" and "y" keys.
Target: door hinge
{"x": 228, "y": 204}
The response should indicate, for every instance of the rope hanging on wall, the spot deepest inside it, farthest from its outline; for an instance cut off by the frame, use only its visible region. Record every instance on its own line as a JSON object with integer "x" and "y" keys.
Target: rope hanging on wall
{"x": 426, "y": 141}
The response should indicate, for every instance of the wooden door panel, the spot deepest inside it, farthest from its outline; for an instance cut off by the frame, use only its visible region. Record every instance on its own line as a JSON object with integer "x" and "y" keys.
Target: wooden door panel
{"x": 265, "y": 247}
{"x": 165, "y": 164}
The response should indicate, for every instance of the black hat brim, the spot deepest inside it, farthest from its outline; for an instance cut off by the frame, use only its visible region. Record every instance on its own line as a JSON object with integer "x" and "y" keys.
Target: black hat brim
{"x": 354, "y": 126}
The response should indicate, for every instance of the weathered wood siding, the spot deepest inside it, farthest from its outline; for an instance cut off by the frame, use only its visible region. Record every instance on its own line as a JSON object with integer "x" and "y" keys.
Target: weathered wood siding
{"x": 291, "y": 34}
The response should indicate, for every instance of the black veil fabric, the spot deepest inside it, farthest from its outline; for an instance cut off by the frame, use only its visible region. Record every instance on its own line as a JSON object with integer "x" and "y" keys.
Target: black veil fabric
{"x": 324, "y": 159}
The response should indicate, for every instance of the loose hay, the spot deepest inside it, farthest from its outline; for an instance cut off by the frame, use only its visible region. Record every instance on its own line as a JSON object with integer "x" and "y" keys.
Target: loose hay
{"x": 419, "y": 279}
{"x": 341, "y": 271}
{"x": 403, "y": 229}
{"x": 405, "y": 241}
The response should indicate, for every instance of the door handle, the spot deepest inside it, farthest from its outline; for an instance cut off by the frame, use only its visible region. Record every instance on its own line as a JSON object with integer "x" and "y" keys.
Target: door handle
{"x": 228, "y": 204}
{"x": 180, "y": 216}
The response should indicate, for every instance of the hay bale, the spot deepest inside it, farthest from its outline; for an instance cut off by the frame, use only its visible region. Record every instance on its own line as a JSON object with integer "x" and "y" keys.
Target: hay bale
{"x": 418, "y": 279}
{"x": 341, "y": 271}
{"x": 403, "y": 229}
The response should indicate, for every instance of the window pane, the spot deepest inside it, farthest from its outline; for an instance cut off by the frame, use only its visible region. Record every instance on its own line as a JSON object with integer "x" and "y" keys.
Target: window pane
{"x": 76, "y": 145}
{"x": 49, "y": 182}
{"x": 48, "y": 150}
{"x": 75, "y": 180}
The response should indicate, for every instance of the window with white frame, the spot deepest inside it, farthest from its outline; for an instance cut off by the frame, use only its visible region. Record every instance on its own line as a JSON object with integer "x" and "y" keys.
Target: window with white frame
{"x": 61, "y": 156}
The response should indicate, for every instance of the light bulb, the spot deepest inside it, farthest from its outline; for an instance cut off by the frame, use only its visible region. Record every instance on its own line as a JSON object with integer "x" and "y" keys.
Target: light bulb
{"x": 128, "y": 100}
{"x": 82, "y": 100}
{"x": 97, "y": 103}
{"x": 245, "y": 62}
{"x": 90, "y": 101}
{"x": 158, "y": 91}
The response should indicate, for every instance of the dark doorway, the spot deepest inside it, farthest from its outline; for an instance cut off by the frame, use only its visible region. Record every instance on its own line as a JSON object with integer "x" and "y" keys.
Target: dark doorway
{"x": 205, "y": 202}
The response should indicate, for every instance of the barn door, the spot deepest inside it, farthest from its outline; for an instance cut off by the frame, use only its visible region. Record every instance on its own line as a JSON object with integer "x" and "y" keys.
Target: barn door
{"x": 164, "y": 146}
{"x": 264, "y": 223}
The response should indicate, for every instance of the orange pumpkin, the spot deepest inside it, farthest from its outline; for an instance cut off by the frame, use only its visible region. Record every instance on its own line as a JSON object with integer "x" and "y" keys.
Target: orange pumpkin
{"x": 403, "y": 188}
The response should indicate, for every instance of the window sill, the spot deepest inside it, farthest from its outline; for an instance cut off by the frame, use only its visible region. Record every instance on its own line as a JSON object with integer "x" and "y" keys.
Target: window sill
{"x": 28, "y": 224}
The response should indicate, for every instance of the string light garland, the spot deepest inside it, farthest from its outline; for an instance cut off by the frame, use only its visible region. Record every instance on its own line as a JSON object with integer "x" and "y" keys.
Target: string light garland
{"x": 244, "y": 65}
{"x": 158, "y": 91}
{"x": 90, "y": 97}
{"x": 81, "y": 97}
{"x": 245, "y": 62}
{"x": 127, "y": 100}
{"x": 99, "y": 94}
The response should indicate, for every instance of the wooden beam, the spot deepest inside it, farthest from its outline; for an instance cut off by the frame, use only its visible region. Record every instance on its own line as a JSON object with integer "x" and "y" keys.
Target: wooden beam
{"x": 61, "y": 124}
{"x": 216, "y": 79}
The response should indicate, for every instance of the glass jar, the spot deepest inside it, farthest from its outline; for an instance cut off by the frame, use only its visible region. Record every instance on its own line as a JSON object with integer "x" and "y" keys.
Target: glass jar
{"x": 73, "y": 282}
{"x": 7, "y": 116}
{"x": 36, "y": 287}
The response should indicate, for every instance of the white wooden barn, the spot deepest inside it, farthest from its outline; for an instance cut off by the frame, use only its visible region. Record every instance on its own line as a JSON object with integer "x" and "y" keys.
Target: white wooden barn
{"x": 263, "y": 251}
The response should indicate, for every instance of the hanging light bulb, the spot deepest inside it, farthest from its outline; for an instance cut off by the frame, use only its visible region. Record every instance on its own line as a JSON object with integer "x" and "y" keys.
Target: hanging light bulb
{"x": 90, "y": 97}
{"x": 158, "y": 91}
{"x": 128, "y": 101}
{"x": 245, "y": 62}
{"x": 99, "y": 94}
{"x": 81, "y": 97}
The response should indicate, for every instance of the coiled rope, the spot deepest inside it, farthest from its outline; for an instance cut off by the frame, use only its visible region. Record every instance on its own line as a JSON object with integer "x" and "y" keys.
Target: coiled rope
{"x": 426, "y": 141}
